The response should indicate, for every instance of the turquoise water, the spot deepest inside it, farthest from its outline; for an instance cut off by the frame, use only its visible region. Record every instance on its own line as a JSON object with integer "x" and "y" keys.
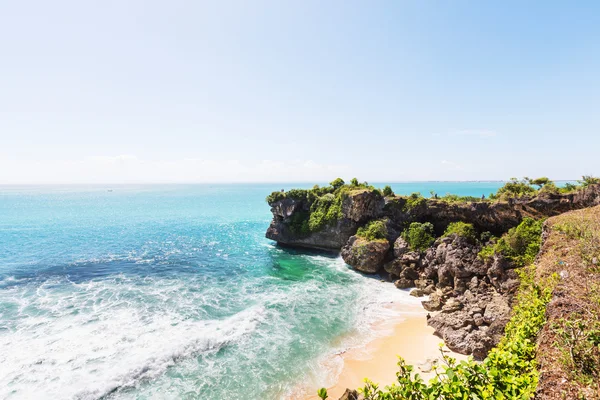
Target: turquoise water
{"x": 139, "y": 292}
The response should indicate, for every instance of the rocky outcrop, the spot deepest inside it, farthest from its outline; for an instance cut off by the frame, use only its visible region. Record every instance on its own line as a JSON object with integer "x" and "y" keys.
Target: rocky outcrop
{"x": 361, "y": 206}
{"x": 364, "y": 255}
{"x": 358, "y": 207}
{"x": 469, "y": 298}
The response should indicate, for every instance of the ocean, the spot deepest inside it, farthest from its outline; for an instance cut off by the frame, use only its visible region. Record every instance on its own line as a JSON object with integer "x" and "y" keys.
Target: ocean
{"x": 173, "y": 292}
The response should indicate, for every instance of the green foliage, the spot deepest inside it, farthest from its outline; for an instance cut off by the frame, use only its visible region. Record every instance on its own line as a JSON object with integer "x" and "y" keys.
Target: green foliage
{"x": 419, "y": 236}
{"x": 374, "y": 230}
{"x": 337, "y": 183}
{"x": 461, "y": 229}
{"x": 414, "y": 200}
{"x": 568, "y": 187}
{"x": 514, "y": 188}
{"x": 453, "y": 198}
{"x": 587, "y": 180}
{"x": 322, "y": 393}
{"x": 519, "y": 245}
{"x": 549, "y": 188}
{"x": 387, "y": 191}
{"x": 540, "y": 182}
{"x": 354, "y": 182}
{"x": 274, "y": 197}
{"x": 509, "y": 371}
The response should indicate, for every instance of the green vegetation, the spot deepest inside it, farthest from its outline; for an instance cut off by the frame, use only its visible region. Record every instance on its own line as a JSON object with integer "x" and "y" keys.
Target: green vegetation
{"x": 337, "y": 183}
{"x": 374, "y": 230}
{"x": 519, "y": 245}
{"x": 324, "y": 204}
{"x": 387, "y": 191}
{"x": 509, "y": 371}
{"x": 419, "y": 236}
{"x": 587, "y": 180}
{"x": 578, "y": 337}
{"x": 414, "y": 200}
{"x": 453, "y": 198}
{"x": 514, "y": 188}
{"x": 461, "y": 229}
{"x": 322, "y": 393}
{"x": 540, "y": 182}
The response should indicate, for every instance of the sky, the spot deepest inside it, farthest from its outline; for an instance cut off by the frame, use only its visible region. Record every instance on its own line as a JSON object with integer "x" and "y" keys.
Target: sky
{"x": 263, "y": 91}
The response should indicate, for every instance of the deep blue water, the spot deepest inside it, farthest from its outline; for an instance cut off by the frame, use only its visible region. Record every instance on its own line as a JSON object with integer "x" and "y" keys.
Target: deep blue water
{"x": 171, "y": 292}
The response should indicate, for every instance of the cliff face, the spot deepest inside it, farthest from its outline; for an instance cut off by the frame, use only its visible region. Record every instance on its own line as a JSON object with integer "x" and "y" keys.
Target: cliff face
{"x": 362, "y": 206}
{"x": 357, "y": 208}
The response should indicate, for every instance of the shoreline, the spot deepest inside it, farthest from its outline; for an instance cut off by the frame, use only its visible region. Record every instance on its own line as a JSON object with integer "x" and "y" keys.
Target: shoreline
{"x": 406, "y": 335}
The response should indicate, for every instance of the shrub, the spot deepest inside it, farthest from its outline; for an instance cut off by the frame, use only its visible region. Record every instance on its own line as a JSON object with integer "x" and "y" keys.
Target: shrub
{"x": 374, "y": 230}
{"x": 461, "y": 229}
{"x": 322, "y": 393}
{"x": 274, "y": 197}
{"x": 337, "y": 183}
{"x": 354, "y": 182}
{"x": 519, "y": 245}
{"x": 549, "y": 188}
{"x": 453, "y": 198}
{"x": 509, "y": 371}
{"x": 515, "y": 188}
{"x": 419, "y": 236}
{"x": 587, "y": 180}
{"x": 540, "y": 182}
{"x": 387, "y": 191}
{"x": 414, "y": 200}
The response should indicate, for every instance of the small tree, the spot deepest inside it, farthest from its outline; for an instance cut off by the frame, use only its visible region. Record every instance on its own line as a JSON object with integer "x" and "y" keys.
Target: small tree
{"x": 337, "y": 183}
{"x": 540, "y": 182}
{"x": 387, "y": 191}
{"x": 419, "y": 236}
{"x": 354, "y": 182}
{"x": 587, "y": 180}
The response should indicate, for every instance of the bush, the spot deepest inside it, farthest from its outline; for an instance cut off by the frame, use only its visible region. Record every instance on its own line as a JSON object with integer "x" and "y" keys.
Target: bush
{"x": 514, "y": 188}
{"x": 374, "y": 230}
{"x": 540, "y": 182}
{"x": 509, "y": 371}
{"x": 519, "y": 245}
{"x": 387, "y": 191}
{"x": 354, "y": 182}
{"x": 274, "y": 197}
{"x": 461, "y": 229}
{"x": 587, "y": 180}
{"x": 453, "y": 198}
{"x": 419, "y": 236}
{"x": 414, "y": 200}
{"x": 337, "y": 183}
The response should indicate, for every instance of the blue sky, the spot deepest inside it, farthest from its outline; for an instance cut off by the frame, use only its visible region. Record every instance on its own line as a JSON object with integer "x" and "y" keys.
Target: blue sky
{"x": 191, "y": 91}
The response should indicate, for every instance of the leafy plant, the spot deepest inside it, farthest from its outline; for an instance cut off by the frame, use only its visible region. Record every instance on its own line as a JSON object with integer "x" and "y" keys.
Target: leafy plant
{"x": 322, "y": 393}
{"x": 519, "y": 245}
{"x": 587, "y": 180}
{"x": 414, "y": 200}
{"x": 374, "y": 230}
{"x": 419, "y": 236}
{"x": 337, "y": 183}
{"x": 387, "y": 191}
{"x": 461, "y": 229}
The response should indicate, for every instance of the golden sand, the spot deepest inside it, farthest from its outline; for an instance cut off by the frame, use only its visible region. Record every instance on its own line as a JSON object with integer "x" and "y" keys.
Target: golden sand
{"x": 409, "y": 338}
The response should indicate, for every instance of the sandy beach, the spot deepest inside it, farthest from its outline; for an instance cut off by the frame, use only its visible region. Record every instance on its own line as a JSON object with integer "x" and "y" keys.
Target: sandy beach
{"x": 409, "y": 337}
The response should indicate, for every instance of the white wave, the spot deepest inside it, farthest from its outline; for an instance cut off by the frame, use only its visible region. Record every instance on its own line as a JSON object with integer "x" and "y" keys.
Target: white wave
{"x": 86, "y": 356}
